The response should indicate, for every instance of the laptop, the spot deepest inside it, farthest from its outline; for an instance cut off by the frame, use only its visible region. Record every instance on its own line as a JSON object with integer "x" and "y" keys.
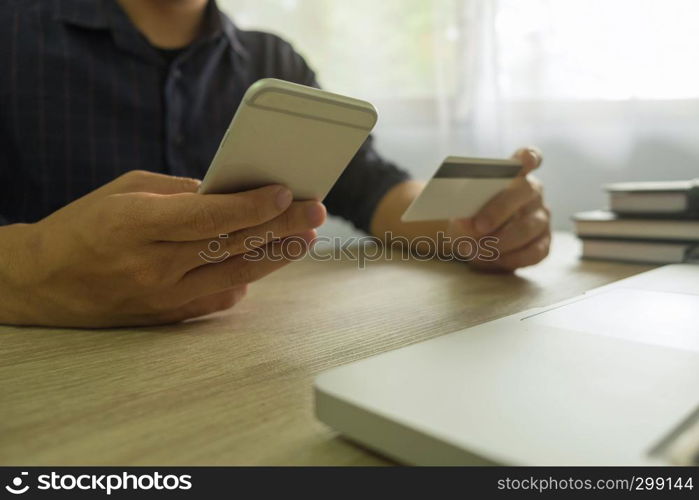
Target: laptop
{"x": 610, "y": 377}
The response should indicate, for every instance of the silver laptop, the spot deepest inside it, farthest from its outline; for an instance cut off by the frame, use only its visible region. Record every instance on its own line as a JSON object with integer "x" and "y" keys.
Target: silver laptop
{"x": 607, "y": 378}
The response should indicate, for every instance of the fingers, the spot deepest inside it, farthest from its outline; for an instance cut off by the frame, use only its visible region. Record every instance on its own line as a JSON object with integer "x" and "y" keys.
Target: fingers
{"x": 210, "y": 304}
{"x": 201, "y": 306}
{"x": 534, "y": 205}
{"x": 243, "y": 269}
{"x": 299, "y": 217}
{"x": 142, "y": 181}
{"x": 519, "y": 193}
{"x": 507, "y": 203}
{"x": 531, "y": 254}
{"x": 191, "y": 217}
{"x": 522, "y": 229}
{"x": 531, "y": 159}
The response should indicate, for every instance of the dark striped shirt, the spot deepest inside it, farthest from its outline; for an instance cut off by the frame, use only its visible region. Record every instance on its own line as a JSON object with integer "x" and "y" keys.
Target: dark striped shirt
{"x": 84, "y": 98}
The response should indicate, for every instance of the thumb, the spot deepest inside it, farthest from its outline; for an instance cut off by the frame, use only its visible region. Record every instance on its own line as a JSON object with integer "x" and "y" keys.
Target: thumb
{"x": 531, "y": 159}
{"x": 141, "y": 181}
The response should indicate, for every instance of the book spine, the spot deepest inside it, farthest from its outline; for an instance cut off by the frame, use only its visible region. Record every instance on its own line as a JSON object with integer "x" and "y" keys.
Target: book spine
{"x": 691, "y": 256}
{"x": 693, "y": 202}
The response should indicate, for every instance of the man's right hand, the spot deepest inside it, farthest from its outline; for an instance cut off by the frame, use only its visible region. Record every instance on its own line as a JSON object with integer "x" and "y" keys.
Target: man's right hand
{"x": 128, "y": 253}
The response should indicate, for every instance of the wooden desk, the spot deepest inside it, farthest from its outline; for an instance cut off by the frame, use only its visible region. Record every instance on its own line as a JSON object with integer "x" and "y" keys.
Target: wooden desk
{"x": 237, "y": 388}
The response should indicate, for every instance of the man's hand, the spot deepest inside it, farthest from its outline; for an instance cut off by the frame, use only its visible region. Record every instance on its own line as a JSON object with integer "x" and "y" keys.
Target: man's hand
{"x": 517, "y": 217}
{"x": 128, "y": 253}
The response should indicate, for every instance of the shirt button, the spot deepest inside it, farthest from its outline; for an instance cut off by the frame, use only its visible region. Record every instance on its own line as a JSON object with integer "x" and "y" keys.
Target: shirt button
{"x": 179, "y": 139}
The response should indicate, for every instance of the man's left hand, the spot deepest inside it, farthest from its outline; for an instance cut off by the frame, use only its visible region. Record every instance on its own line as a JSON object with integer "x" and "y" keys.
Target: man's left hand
{"x": 517, "y": 217}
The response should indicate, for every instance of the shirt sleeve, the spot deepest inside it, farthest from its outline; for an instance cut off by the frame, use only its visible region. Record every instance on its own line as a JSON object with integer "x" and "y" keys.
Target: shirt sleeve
{"x": 367, "y": 178}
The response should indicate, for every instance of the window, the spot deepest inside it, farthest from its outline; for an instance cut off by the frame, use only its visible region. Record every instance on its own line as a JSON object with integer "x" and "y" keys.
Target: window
{"x": 540, "y": 49}
{"x": 369, "y": 48}
{"x": 598, "y": 49}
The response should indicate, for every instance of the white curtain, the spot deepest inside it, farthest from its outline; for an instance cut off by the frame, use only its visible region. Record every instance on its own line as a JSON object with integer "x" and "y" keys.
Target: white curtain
{"x": 609, "y": 89}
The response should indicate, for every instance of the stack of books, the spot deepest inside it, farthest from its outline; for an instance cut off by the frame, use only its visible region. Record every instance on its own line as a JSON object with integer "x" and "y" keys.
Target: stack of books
{"x": 649, "y": 222}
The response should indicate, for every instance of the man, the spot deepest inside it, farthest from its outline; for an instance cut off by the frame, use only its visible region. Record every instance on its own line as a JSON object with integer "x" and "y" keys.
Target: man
{"x": 109, "y": 111}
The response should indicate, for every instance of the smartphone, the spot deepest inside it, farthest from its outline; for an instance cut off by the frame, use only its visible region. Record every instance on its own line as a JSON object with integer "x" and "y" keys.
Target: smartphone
{"x": 289, "y": 134}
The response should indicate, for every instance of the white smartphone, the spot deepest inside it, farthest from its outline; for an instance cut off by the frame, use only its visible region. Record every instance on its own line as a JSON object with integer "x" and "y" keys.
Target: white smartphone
{"x": 289, "y": 134}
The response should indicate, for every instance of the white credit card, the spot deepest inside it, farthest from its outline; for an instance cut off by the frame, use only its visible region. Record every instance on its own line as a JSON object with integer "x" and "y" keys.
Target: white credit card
{"x": 460, "y": 188}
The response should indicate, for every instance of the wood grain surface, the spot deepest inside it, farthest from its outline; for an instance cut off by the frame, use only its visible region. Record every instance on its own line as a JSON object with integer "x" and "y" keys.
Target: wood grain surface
{"x": 236, "y": 388}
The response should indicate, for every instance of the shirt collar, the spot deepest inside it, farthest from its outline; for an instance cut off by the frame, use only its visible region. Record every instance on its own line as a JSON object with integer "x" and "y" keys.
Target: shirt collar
{"x": 100, "y": 14}
{"x": 85, "y": 13}
{"x": 216, "y": 22}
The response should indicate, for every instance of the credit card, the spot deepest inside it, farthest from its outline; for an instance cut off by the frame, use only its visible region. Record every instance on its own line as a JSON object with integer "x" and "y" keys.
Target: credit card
{"x": 460, "y": 188}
